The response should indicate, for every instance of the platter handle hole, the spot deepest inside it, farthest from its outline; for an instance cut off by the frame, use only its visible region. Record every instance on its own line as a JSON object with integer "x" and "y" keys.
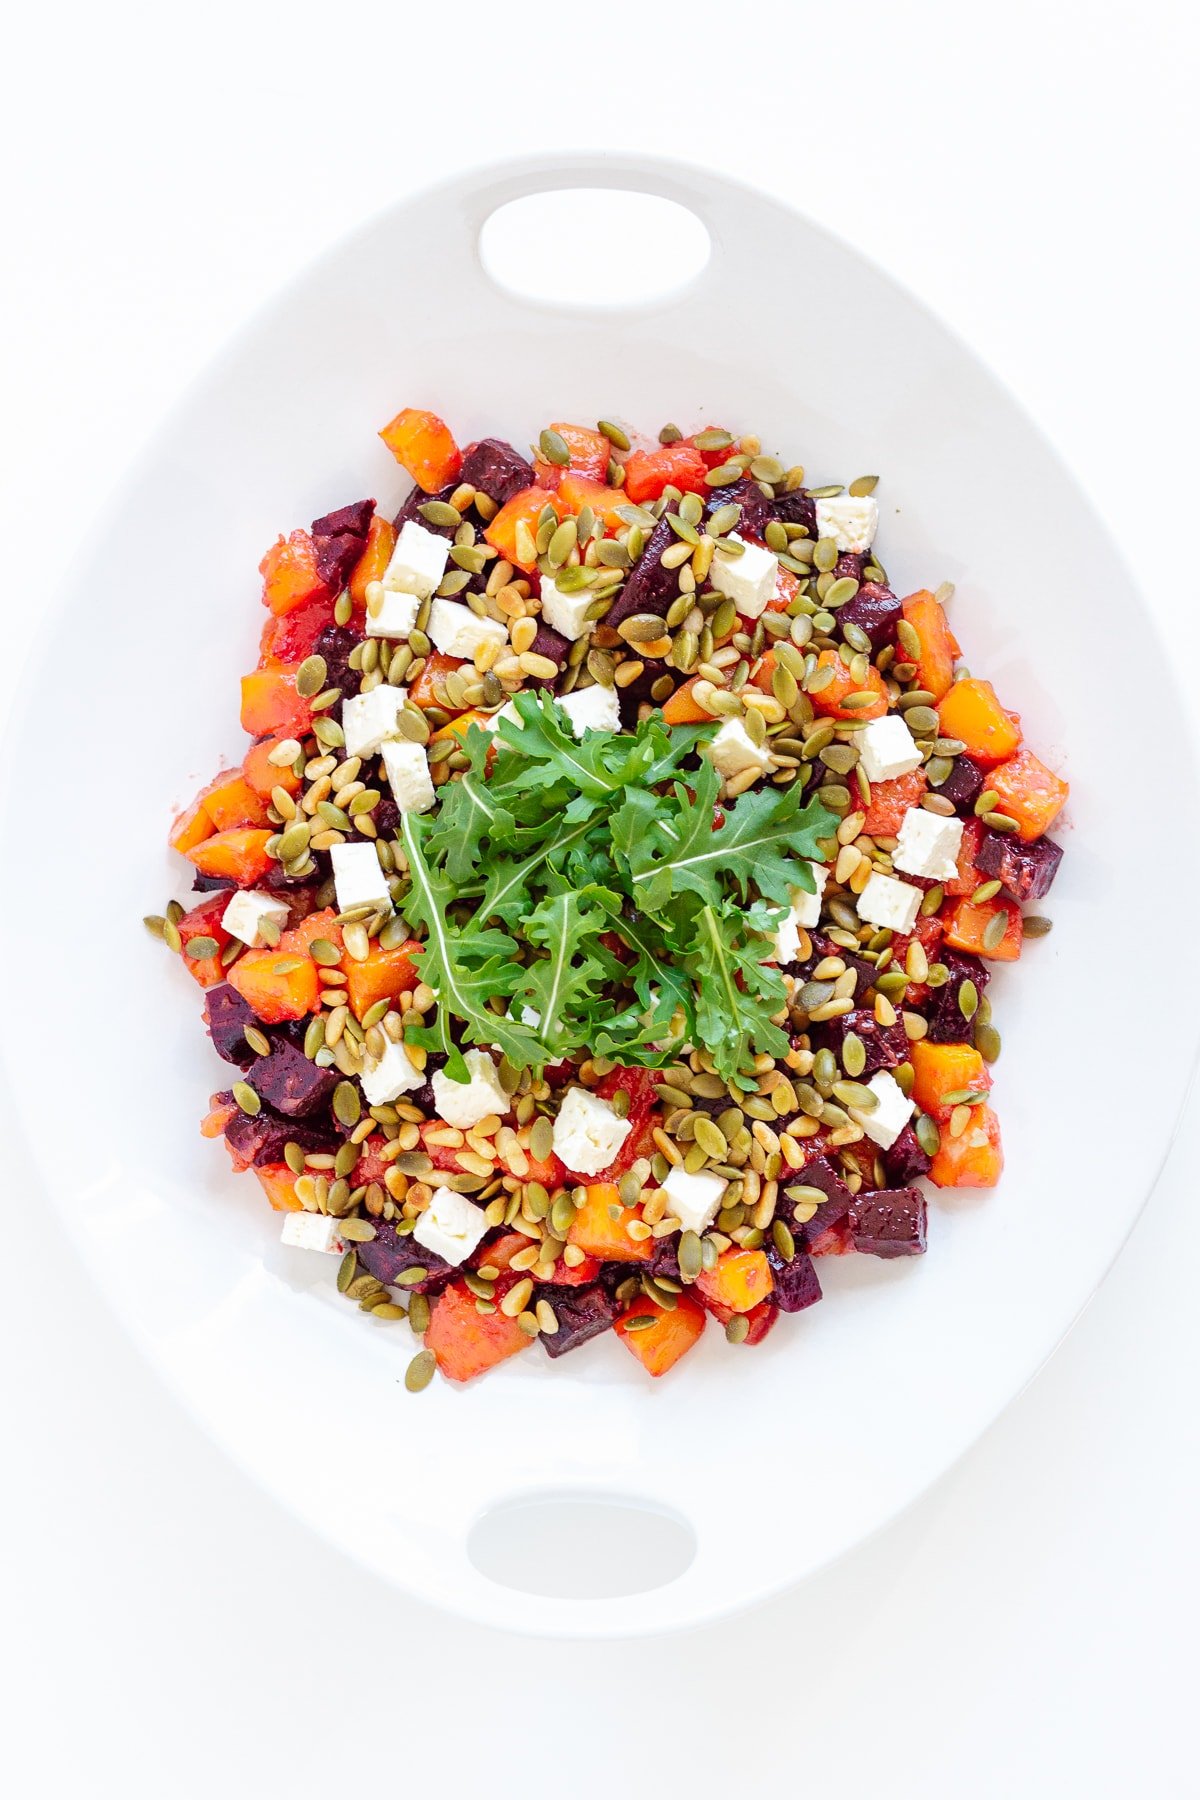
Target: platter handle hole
{"x": 581, "y": 1547}
{"x": 548, "y": 248}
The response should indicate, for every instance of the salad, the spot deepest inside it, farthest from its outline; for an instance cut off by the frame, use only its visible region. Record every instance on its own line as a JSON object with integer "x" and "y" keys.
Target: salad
{"x": 599, "y": 925}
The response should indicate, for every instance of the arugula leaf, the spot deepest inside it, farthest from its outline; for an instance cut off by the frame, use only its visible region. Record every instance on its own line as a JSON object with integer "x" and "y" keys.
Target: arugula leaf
{"x": 733, "y": 1016}
{"x": 568, "y": 979}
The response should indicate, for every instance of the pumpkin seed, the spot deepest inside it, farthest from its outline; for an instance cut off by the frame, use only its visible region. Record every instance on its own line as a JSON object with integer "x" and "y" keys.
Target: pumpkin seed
{"x": 854, "y": 1054}
{"x": 985, "y": 802}
{"x": 347, "y": 1105}
{"x": 1000, "y": 822}
{"x": 968, "y": 999}
{"x": 613, "y": 433}
{"x": 724, "y": 518}
{"x": 420, "y": 1371}
{"x": 785, "y": 1243}
{"x": 691, "y": 1256}
{"x": 356, "y": 1231}
{"x": 310, "y": 676}
{"x": 738, "y": 1329}
{"x": 725, "y": 476}
{"x": 710, "y": 1138}
{"x": 246, "y": 1098}
{"x": 562, "y": 1214}
{"x": 1036, "y": 926}
{"x": 863, "y": 484}
{"x": 198, "y": 949}
{"x": 440, "y": 512}
{"x": 993, "y": 935}
{"x": 554, "y": 448}
{"x": 853, "y": 1093}
{"x": 419, "y": 1313}
{"x": 987, "y": 1041}
{"x": 638, "y": 1322}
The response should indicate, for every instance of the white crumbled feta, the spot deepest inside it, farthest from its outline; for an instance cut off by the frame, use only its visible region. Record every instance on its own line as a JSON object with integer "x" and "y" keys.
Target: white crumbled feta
{"x": 805, "y": 912}
{"x": 369, "y": 719}
{"x": 418, "y": 561}
{"x": 749, "y": 579}
{"x": 312, "y": 1231}
{"x": 592, "y": 709}
{"x": 587, "y": 1132}
{"x": 464, "y": 1103}
{"x": 457, "y": 631}
{"x": 358, "y": 878}
{"x": 250, "y": 909}
{"x": 928, "y": 844}
{"x": 408, "y": 776}
{"x": 565, "y": 612}
{"x": 451, "y": 1225}
{"x": 733, "y": 749}
{"x": 886, "y": 748}
{"x": 394, "y": 615}
{"x": 694, "y": 1199}
{"x": 390, "y": 1075}
{"x": 885, "y": 1123}
{"x": 888, "y": 903}
{"x": 850, "y": 520}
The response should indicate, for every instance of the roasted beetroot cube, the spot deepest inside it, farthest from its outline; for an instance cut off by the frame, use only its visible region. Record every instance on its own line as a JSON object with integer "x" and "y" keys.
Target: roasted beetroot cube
{"x": 1024, "y": 871}
{"x": 386, "y": 815}
{"x": 819, "y": 1172}
{"x": 335, "y": 644}
{"x": 391, "y": 1252}
{"x": 885, "y": 1045}
{"x": 629, "y": 698}
{"x": 290, "y": 1082}
{"x": 261, "y": 1139}
{"x": 336, "y": 557}
{"x": 823, "y": 947}
{"x": 875, "y": 610}
{"x": 849, "y": 565}
{"x": 963, "y": 785}
{"x": 227, "y": 1016}
{"x": 905, "y": 1159}
{"x": 890, "y": 1222}
{"x": 419, "y": 498}
{"x": 353, "y": 520}
{"x": 496, "y": 469}
{"x": 582, "y": 1313}
{"x": 551, "y": 644}
{"x": 948, "y": 1024}
{"x": 212, "y": 884}
{"x": 757, "y": 510}
{"x": 650, "y": 588}
{"x": 796, "y": 1284}
{"x": 796, "y": 508}
{"x": 664, "y": 1259}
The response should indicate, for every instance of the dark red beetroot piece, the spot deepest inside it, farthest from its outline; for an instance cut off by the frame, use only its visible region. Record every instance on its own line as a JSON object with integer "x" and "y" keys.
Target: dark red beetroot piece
{"x": 885, "y": 1045}
{"x": 582, "y": 1313}
{"x": 819, "y": 1172}
{"x": 796, "y": 508}
{"x": 948, "y": 1023}
{"x": 338, "y": 539}
{"x": 796, "y": 1283}
{"x": 496, "y": 469}
{"x": 227, "y": 1016}
{"x": 289, "y": 1082}
{"x": 212, "y": 884}
{"x": 890, "y": 1222}
{"x": 756, "y": 508}
{"x": 823, "y": 947}
{"x": 261, "y": 1139}
{"x": 650, "y": 588}
{"x": 849, "y": 565}
{"x": 553, "y": 645}
{"x": 412, "y": 510}
{"x": 905, "y": 1159}
{"x": 664, "y": 1259}
{"x": 875, "y": 610}
{"x": 335, "y": 644}
{"x": 390, "y": 1253}
{"x": 354, "y": 520}
{"x": 1024, "y": 871}
{"x": 963, "y": 785}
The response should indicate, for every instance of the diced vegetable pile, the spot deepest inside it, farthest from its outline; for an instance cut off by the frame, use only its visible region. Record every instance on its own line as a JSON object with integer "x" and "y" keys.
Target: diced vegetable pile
{"x": 600, "y": 922}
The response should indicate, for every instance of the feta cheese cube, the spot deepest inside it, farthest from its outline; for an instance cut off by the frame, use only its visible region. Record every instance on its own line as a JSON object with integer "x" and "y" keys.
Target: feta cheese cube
{"x": 312, "y": 1231}
{"x": 885, "y": 1123}
{"x": 888, "y": 903}
{"x": 358, "y": 878}
{"x": 418, "y": 561}
{"x": 592, "y": 709}
{"x": 565, "y": 611}
{"x": 587, "y": 1132}
{"x": 733, "y": 749}
{"x": 250, "y": 909}
{"x": 451, "y": 1225}
{"x": 805, "y": 912}
{"x": 928, "y": 844}
{"x": 390, "y": 1075}
{"x": 457, "y": 631}
{"x": 394, "y": 615}
{"x": 464, "y": 1103}
{"x": 886, "y": 748}
{"x": 748, "y": 580}
{"x": 694, "y": 1199}
{"x": 849, "y": 520}
{"x": 408, "y": 775}
{"x": 367, "y": 719}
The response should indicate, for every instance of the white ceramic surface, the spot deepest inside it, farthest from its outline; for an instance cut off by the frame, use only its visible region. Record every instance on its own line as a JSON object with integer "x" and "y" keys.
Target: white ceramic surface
{"x": 777, "y": 1459}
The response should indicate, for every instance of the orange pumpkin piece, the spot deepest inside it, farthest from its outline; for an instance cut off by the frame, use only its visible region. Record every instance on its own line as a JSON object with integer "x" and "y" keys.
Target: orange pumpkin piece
{"x": 384, "y": 975}
{"x": 299, "y": 938}
{"x": 939, "y": 646}
{"x": 204, "y": 920}
{"x": 276, "y": 984}
{"x": 967, "y": 924}
{"x": 271, "y": 707}
{"x": 648, "y": 472}
{"x": 829, "y": 699}
{"x": 682, "y": 708}
{"x": 523, "y": 509}
{"x": 576, "y": 491}
{"x": 279, "y": 1185}
{"x": 289, "y": 572}
{"x": 191, "y": 826}
{"x": 240, "y": 854}
{"x": 437, "y": 666}
{"x": 262, "y": 774}
{"x": 219, "y": 1113}
{"x": 599, "y": 1234}
{"x": 941, "y": 1069}
{"x": 466, "y": 1342}
{"x": 458, "y": 727}
{"x": 424, "y": 445}
{"x": 967, "y": 877}
{"x": 740, "y": 1279}
{"x": 658, "y": 1347}
{"x": 377, "y": 554}
{"x": 1028, "y": 792}
{"x": 500, "y": 1254}
{"x": 970, "y": 711}
{"x": 231, "y": 802}
{"x": 974, "y": 1160}
{"x": 890, "y": 800}
{"x": 590, "y": 451}
{"x": 786, "y": 585}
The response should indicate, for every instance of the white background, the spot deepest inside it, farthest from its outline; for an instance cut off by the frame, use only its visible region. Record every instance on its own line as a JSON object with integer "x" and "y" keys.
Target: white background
{"x": 1028, "y": 169}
